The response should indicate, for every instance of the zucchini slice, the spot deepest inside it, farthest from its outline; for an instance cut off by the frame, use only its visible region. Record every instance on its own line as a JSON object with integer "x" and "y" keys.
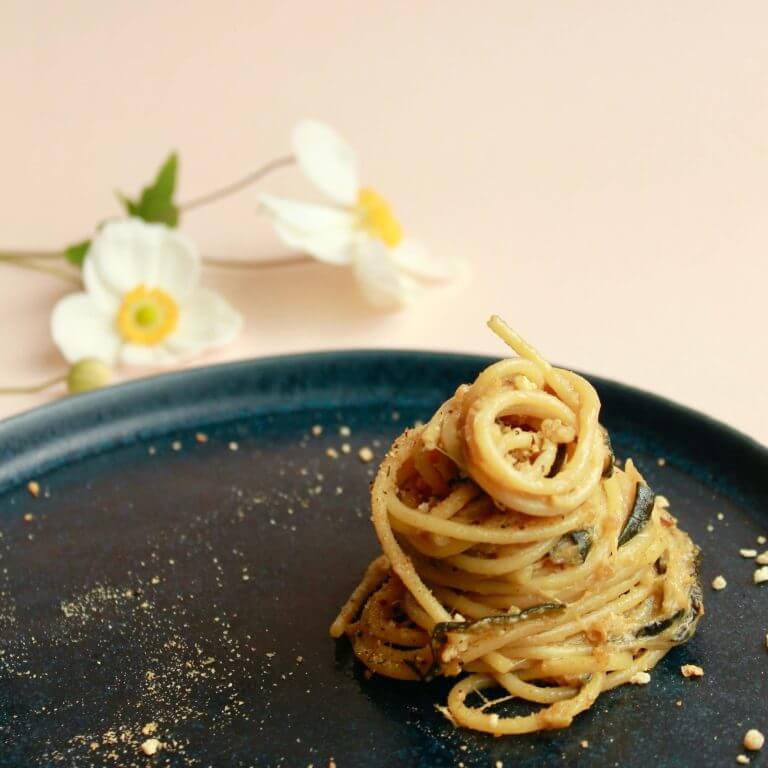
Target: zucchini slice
{"x": 640, "y": 514}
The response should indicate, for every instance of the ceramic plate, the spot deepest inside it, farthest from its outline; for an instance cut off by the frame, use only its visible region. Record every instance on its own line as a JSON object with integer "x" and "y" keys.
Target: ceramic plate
{"x": 192, "y": 542}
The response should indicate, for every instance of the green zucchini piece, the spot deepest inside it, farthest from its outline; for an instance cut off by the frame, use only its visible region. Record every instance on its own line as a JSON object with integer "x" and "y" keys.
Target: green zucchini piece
{"x": 658, "y": 626}
{"x": 498, "y": 622}
{"x": 610, "y": 458}
{"x": 557, "y": 464}
{"x": 684, "y": 621}
{"x": 580, "y": 540}
{"x": 640, "y": 514}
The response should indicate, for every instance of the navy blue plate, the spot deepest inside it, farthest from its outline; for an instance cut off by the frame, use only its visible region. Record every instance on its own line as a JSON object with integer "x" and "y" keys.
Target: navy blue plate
{"x": 178, "y": 586}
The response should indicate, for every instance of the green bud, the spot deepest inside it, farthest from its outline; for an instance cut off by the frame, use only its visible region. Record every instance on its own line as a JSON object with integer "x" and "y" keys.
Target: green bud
{"x": 87, "y": 374}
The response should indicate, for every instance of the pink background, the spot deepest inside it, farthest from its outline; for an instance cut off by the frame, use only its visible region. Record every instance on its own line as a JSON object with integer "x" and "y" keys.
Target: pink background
{"x": 603, "y": 166}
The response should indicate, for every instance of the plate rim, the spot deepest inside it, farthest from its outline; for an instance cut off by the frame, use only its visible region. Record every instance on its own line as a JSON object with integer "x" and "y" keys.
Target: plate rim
{"x": 91, "y": 408}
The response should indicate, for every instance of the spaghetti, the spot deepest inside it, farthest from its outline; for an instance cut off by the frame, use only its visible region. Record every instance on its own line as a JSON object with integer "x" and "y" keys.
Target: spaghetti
{"x": 515, "y": 550}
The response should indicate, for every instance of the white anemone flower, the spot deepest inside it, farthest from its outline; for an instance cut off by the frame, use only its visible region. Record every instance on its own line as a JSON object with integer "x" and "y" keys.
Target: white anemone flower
{"x": 142, "y": 305}
{"x": 357, "y": 228}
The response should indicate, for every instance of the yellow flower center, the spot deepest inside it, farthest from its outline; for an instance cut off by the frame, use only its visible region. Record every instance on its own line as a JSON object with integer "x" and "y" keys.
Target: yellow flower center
{"x": 376, "y": 217}
{"x": 147, "y": 316}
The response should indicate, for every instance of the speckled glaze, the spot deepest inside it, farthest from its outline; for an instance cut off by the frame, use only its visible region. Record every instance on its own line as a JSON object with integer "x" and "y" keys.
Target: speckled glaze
{"x": 157, "y": 575}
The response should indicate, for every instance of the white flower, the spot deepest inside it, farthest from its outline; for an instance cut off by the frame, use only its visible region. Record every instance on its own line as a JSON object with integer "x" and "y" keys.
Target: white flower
{"x": 142, "y": 304}
{"x": 357, "y": 228}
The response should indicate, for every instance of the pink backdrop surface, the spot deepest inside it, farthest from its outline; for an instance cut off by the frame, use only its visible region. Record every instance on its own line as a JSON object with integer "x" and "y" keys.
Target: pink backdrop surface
{"x": 602, "y": 166}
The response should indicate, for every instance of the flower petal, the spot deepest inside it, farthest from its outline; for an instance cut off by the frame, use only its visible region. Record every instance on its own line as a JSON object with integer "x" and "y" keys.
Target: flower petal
{"x": 380, "y": 281}
{"x": 125, "y": 252}
{"x": 206, "y": 320}
{"x": 178, "y": 265}
{"x": 98, "y": 290}
{"x": 145, "y": 356}
{"x": 319, "y": 230}
{"x": 326, "y": 160}
{"x": 80, "y": 328}
{"x": 413, "y": 257}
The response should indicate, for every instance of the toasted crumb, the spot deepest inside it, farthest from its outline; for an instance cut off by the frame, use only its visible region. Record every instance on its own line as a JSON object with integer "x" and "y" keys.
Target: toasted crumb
{"x": 233, "y": 446}
{"x": 679, "y": 703}
{"x": 365, "y": 454}
{"x": 201, "y": 438}
{"x": 719, "y": 583}
{"x": 762, "y": 540}
{"x": 345, "y": 431}
{"x": 661, "y": 461}
{"x": 346, "y": 448}
{"x": 150, "y": 746}
{"x": 151, "y": 450}
{"x": 710, "y": 527}
{"x": 28, "y": 517}
{"x": 34, "y": 488}
{"x": 692, "y": 670}
{"x": 640, "y": 678}
{"x": 762, "y": 558}
{"x": 584, "y": 744}
{"x": 463, "y": 747}
{"x": 331, "y": 453}
{"x": 176, "y": 445}
{"x": 317, "y": 430}
{"x": 753, "y": 740}
{"x": 331, "y": 763}
{"x": 499, "y": 764}
{"x": 720, "y": 516}
{"x": 748, "y": 553}
{"x": 760, "y": 575}
{"x": 149, "y": 728}
{"x": 742, "y": 760}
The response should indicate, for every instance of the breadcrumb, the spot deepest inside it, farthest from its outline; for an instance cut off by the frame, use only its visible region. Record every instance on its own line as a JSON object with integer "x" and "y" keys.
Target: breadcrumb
{"x": 150, "y": 746}
{"x": 692, "y": 670}
{"x": 748, "y": 553}
{"x": 719, "y": 583}
{"x": 762, "y": 540}
{"x": 742, "y": 760}
{"x": 640, "y": 678}
{"x": 331, "y": 453}
{"x": 34, "y": 488}
{"x": 761, "y": 575}
{"x": 346, "y": 448}
{"x": 365, "y": 454}
{"x": 345, "y": 431}
{"x": 317, "y": 430}
{"x": 762, "y": 558}
{"x": 201, "y": 438}
{"x": 584, "y": 744}
{"x": 233, "y": 445}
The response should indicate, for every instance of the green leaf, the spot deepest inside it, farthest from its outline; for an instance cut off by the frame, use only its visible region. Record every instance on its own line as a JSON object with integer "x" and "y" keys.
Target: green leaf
{"x": 75, "y": 254}
{"x": 156, "y": 200}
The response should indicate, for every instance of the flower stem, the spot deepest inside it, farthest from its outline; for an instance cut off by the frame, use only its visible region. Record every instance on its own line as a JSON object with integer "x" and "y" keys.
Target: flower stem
{"x": 28, "y": 261}
{"x": 236, "y": 186}
{"x": 257, "y": 264}
{"x": 31, "y": 390}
